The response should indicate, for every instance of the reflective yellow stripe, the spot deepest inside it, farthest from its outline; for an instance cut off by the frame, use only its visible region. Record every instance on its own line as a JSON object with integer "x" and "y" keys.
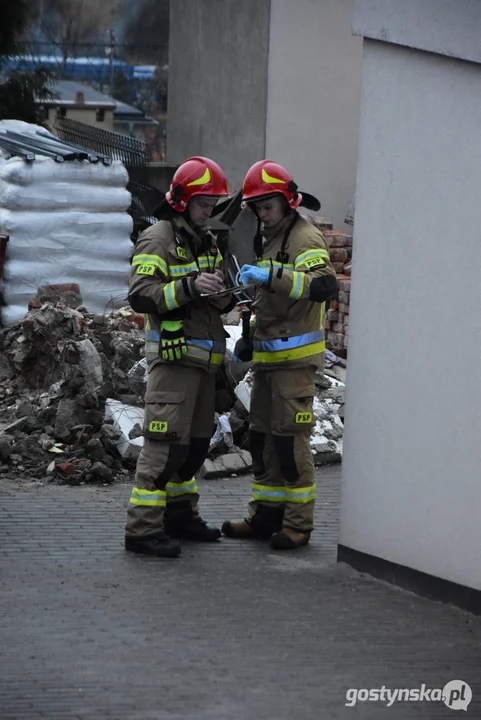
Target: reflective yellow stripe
{"x": 270, "y": 179}
{"x": 204, "y": 355}
{"x": 169, "y": 296}
{"x": 298, "y": 279}
{"x": 202, "y": 180}
{"x": 148, "y": 498}
{"x": 301, "y": 495}
{"x": 293, "y": 354}
{"x": 268, "y": 492}
{"x": 178, "y": 271}
{"x": 216, "y": 358}
{"x": 185, "y": 488}
{"x": 151, "y": 260}
{"x": 206, "y": 261}
{"x": 311, "y": 255}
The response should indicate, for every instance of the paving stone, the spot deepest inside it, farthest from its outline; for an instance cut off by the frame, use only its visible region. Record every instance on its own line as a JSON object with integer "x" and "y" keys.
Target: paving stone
{"x": 229, "y": 631}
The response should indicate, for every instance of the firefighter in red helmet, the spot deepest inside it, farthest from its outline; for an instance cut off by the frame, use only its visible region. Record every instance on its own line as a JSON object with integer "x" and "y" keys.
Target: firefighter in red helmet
{"x": 176, "y": 265}
{"x": 294, "y": 278}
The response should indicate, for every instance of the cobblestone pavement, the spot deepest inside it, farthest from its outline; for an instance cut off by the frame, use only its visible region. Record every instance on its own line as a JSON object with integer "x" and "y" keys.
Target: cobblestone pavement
{"x": 232, "y": 631}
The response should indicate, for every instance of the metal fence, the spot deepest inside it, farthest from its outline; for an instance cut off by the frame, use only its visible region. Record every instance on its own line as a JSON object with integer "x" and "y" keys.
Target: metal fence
{"x": 133, "y": 154}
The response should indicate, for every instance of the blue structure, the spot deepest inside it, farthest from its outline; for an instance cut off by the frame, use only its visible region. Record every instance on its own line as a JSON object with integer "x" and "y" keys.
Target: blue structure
{"x": 92, "y": 69}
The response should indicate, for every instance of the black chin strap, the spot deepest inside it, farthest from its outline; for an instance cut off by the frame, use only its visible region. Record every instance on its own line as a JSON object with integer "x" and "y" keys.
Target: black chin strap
{"x": 258, "y": 239}
{"x": 288, "y": 232}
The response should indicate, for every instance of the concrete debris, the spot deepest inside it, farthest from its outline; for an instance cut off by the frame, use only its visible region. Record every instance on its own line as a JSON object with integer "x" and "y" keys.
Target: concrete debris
{"x": 243, "y": 393}
{"x": 137, "y": 377}
{"x": 222, "y": 434}
{"x": 126, "y": 418}
{"x": 236, "y": 462}
{"x": 72, "y": 387}
{"x": 58, "y": 367}
{"x": 327, "y": 434}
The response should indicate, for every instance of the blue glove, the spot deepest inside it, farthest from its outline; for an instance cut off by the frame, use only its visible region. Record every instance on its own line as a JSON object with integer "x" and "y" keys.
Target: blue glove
{"x": 251, "y": 272}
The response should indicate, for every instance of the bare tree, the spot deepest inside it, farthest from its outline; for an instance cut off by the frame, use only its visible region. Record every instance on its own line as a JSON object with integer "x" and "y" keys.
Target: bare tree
{"x": 146, "y": 32}
{"x": 73, "y": 25}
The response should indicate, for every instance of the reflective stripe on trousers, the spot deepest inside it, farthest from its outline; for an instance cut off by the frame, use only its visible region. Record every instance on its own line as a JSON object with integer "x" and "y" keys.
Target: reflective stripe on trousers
{"x": 173, "y": 489}
{"x": 281, "y": 494}
{"x": 148, "y": 498}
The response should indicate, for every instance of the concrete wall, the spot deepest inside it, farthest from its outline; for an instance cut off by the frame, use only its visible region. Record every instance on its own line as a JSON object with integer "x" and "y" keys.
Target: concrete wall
{"x": 412, "y": 463}
{"x": 314, "y": 88}
{"x": 445, "y": 27}
{"x": 217, "y": 82}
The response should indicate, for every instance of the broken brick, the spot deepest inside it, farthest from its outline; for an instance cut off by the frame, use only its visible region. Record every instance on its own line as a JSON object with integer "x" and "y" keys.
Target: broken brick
{"x": 66, "y": 469}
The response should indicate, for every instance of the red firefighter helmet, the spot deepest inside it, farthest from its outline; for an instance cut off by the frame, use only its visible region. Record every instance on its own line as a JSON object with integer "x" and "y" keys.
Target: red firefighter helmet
{"x": 266, "y": 178}
{"x": 196, "y": 176}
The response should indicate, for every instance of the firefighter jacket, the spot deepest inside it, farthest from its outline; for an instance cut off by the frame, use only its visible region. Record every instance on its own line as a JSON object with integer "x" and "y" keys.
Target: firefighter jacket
{"x": 289, "y": 310}
{"x": 168, "y": 257}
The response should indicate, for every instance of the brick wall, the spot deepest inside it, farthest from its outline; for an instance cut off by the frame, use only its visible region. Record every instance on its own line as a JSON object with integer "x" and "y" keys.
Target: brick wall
{"x": 337, "y": 316}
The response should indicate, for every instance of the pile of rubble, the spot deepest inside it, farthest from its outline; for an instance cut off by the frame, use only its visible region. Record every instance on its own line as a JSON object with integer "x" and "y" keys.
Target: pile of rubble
{"x": 229, "y": 446}
{"x": 72, "y": 387}
{"x": 58, "y": 368}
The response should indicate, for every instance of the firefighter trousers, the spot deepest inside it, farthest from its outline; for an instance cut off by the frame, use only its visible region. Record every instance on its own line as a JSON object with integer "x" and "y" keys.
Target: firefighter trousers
{"x": 178, "y": 426}
{"x": 281, "y": 417}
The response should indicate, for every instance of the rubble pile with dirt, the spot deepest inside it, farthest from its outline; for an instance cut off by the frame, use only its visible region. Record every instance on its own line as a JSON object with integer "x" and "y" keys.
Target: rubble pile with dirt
{"x": 58, "y": 366}
{"x": 72, "y": 387}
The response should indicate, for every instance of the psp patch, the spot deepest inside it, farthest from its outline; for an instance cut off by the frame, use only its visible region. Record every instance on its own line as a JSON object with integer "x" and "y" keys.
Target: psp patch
{"x": 158, "y": 426}
{"x": 303, "y": 418}
{"x": 145, "y": 269}
{"x": 315, "y": 263}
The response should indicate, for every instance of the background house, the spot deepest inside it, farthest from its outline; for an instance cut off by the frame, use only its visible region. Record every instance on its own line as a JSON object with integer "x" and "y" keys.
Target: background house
{"x": 80, "y": 102}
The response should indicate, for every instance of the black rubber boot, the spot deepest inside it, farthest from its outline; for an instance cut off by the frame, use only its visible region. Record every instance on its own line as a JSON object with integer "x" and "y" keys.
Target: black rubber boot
{"x": 179, "y": 522}
{"x": 267, "y": 521}
{"x": 160, "y": 546}
{"x": 197, "y": 529}
{"x": 261, "y": 526}
{"x": 289, "y": 539}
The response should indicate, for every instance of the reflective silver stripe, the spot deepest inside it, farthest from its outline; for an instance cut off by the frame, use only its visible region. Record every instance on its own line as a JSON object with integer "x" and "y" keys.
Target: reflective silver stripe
{"x": 173, "y": 489}
{"x": 152, "y": 335}
{"x": 275, "y": 264}
{"x": 217, "y": 346}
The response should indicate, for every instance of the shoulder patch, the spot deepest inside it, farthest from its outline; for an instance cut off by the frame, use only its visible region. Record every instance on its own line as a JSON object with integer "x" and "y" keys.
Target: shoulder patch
{"x": 315, "y": 263}
{"x": 145, "y": 269}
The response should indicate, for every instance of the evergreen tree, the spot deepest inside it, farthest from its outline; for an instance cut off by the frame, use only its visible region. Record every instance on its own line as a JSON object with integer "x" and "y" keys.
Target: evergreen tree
{"x": 18, "y": 89}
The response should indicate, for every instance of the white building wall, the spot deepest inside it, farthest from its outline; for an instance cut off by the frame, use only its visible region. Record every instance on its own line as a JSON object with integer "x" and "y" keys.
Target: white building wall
{"x": 412, "y": 464}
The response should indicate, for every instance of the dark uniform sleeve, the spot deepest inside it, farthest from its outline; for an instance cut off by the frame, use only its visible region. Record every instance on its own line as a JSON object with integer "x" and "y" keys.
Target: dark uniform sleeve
{"x": 313, "y": 277}
{"x": 151, "y": 289}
